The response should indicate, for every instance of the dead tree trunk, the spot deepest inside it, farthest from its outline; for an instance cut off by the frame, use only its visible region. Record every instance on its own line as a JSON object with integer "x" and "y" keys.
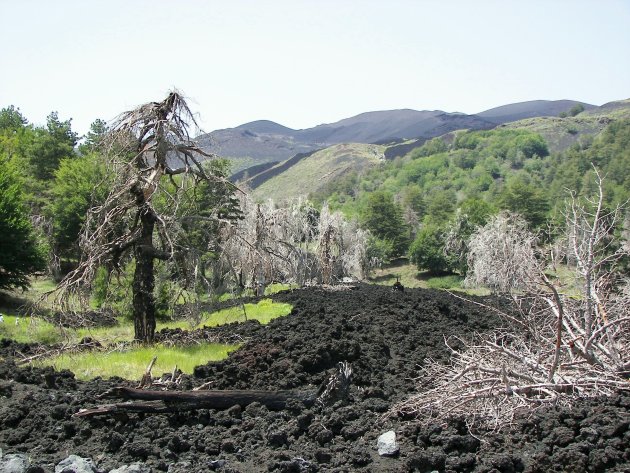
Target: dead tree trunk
{"x": 145, "y": 147}
{"x": 170, "y": 401}
{"x": 334, "y": 389}
{"x": 143, "y": 284}
{"x": 144, "y": 274}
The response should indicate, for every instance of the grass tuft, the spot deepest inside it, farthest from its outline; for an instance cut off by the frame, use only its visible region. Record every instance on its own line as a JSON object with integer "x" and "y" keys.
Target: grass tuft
{"x": 264, "y": 311}
{"x": 451, "y": 281}
{"x": 29, "y": 330}
{"x": 131, "y": 364}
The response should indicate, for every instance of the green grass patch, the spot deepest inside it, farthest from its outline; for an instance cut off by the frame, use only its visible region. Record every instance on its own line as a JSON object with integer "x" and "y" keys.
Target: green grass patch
{"x": 29, "y": 330}
{"x": 36, "y": 330}
{"x": 407, "y": 274}
{"x": 121, "y": 332}
{"x": 264, "y": 311}
{"x": 410, "y": 277}
{"x": 451, "y": 281}
{"x": 269, "y": 290}
{"x": 131, "y": 364}
{"x": 41, "y": 285}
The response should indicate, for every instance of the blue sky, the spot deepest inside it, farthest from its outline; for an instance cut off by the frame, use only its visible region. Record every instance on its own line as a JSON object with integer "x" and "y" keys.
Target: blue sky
{"x": 302, "y": 63}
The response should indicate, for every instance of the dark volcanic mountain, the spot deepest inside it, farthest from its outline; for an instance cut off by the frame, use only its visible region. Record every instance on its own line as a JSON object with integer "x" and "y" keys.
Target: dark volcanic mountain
{"x": 533, "y": 108}
{"x": 393, "y": 125}
{"x": 265, "y": 141}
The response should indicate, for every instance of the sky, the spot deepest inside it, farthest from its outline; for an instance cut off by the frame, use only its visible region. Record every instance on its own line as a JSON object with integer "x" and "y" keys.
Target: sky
{"x": 302, "y": 63}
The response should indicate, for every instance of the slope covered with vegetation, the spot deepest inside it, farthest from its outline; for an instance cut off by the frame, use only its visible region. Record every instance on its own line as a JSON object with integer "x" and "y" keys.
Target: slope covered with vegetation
{"x": 471, "y": 175}
{"x": 312, "y": 173}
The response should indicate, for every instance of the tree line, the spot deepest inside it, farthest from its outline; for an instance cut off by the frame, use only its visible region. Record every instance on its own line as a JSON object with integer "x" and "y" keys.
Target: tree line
{"x": 138, "y": 195}
{"x": 138, "y": 217}
{"x": 427, "y": 204}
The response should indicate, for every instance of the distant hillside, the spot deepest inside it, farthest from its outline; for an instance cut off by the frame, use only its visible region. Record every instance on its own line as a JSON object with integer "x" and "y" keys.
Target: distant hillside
{"x": 388, "y": 125}
{"x": 561, "y": 133}
{"x": 310, "y": 173}
{"x": 533, "y": 108}
{"x": 245, "y": 174}
{"x": 510, "y": 167}
{"x": 257, "y": 179}
{"x": 255, "y": 143}
{"x": 615, "y": 110}
{"x": 264, "y": 141}
{"x": 266, "y": 127}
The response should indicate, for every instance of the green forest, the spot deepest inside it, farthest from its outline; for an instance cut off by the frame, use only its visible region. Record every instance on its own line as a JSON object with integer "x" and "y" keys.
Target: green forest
{"x": 423, "y": 206}
{"x": 453, "y": 184}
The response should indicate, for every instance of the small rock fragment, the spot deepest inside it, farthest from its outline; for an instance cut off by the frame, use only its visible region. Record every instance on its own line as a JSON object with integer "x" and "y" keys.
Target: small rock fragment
{"x": 387, "y": 446}
{"x": 75, "y": 464}
{"x": 14, "y": 463}
{"x": 133, "y": 468}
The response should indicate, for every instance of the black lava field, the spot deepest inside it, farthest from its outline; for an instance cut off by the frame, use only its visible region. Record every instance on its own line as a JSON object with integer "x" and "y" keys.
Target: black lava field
{"x": 384, "y": 335}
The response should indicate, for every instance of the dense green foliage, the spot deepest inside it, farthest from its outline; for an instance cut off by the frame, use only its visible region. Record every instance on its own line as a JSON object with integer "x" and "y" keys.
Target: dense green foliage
{"x": 427, "y": 250}
{"x": 49, "y": 146}
{"x": 36, "y": 151}
{"x": 79, "y": 184}
{"x": 573, "y": 111}
{"x": 383, "y": 217}
{"x": 500, "y": 169}
{"x": 20, "y": 252}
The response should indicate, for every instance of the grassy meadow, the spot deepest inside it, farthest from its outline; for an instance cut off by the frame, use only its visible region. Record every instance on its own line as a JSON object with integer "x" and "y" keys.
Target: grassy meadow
{"x": 118, "y": 357}
{"x": 410, "y": 277}
{"x": 131, "y": 363}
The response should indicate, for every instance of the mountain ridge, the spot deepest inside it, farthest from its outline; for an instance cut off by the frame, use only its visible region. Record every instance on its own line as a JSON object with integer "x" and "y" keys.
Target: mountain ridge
{"x": 311, "y": 172}
{"x": 262, "y": 141}
{"x": 530, "y": 109}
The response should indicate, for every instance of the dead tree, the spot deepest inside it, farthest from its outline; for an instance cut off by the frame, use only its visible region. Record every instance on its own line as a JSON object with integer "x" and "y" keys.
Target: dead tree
{"x": 341, "y": 247}
{"x": 252, "y": 245}
{"x": 567, "y": 337}
{"x": 335, "y": 388}
{"x": 270, "y": 243}
{"x": 294, "y": 243}
{"x": 328, "y": 243}
{"x": 154, "y": 163}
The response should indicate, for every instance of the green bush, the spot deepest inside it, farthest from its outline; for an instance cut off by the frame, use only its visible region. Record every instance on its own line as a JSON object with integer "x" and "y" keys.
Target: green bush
{"x": 427, "y": 250}
{"x": 380, "y": 250}
{"x": 99, "y": 287}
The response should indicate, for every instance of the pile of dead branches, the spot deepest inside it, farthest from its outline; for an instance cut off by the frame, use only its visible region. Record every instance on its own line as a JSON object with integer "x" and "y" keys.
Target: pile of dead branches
{"x": 566, "y": 338}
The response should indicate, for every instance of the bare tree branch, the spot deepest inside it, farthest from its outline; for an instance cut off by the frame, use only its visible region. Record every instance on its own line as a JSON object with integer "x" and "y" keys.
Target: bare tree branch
{"x": 564, "y": 340}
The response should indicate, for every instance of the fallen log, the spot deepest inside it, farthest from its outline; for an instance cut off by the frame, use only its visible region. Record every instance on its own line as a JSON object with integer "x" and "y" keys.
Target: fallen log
{"x": 172, "y": 401}
{"x": 155, "y": 402}
{"x": 184, "y": 401}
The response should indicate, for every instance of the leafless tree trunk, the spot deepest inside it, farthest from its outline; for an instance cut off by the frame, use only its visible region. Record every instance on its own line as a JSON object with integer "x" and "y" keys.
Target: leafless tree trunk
{"x": 146, "y": 148}
{"x": 328, "y": 243}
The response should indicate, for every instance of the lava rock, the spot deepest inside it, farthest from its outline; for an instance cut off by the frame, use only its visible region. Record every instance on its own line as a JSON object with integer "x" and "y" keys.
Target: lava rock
{"x": 133, "y": 468}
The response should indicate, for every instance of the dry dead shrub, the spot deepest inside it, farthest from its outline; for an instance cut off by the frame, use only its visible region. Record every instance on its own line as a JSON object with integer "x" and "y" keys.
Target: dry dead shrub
{"x": 564, "y": 340}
